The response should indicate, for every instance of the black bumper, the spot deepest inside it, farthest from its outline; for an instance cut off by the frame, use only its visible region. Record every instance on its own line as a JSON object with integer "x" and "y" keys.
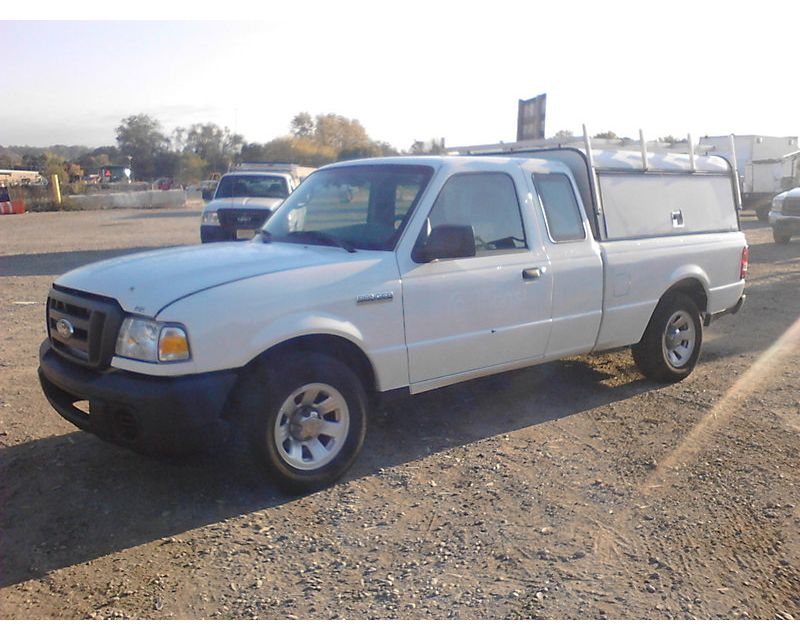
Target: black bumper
{"x": 711, "y": 317}
{"x": 216, "y": 234}
{"x": 209, "y": 233}
{"x": 143, "y": 413}
{"x": 790, "y": 224}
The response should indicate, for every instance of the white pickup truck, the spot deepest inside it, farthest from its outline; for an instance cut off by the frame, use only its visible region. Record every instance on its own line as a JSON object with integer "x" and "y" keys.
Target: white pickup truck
{"x": 784, "y": 216}
{"x": 245, "y": 197}
{"x": 430, "y": 272}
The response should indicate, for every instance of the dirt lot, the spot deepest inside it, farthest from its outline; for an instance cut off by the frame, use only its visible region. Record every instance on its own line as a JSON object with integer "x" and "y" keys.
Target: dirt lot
{"x": 571, "y": 490}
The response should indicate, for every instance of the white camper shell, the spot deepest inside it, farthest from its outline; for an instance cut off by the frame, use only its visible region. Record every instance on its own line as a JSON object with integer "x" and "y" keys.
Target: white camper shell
{"x": 629, "y": 197}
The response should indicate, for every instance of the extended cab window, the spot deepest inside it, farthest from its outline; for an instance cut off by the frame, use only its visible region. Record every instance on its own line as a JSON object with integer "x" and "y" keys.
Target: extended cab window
{"x": 485, "y": 201}
{"x": 560, "y": 206}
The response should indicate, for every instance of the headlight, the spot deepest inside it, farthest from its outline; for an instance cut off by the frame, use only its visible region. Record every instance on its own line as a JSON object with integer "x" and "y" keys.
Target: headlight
{"x": 151, "y": 341}
{"x": 209, "y": 217}
{"x": 777, "y": 205}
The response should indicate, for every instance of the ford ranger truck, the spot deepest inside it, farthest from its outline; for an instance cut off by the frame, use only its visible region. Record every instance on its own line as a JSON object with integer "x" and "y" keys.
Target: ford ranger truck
{"x": 784, "y": 216}
{"x": 431, "y": 271}
{"x": 245, "y": 197}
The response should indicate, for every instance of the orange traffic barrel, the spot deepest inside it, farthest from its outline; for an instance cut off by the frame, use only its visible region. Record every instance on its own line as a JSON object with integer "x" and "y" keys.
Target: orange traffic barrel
{"x": 15, "y": 206}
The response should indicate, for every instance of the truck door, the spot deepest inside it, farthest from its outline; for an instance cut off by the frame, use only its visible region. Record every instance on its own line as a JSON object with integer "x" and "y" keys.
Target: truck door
{"x": 575, "y": 263}
{"x": 467, "y": 314}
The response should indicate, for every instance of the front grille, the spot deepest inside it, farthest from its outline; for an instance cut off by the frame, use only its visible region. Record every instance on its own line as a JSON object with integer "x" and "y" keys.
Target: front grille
{"x": 243, "y": 218}
{"x": 89, "y": 326}
{"x": 791, "y": 206}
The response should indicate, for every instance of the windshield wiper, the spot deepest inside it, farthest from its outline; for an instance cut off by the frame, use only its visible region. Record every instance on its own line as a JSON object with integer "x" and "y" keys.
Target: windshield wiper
{"x": 324, "y": 237}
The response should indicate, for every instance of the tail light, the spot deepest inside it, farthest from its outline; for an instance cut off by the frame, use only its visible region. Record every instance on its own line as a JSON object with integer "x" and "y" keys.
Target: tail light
{"x": 744, "y": 263}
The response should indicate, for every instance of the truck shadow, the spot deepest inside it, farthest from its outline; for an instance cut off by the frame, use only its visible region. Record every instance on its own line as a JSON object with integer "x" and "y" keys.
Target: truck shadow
{"x": 58, "y": 262}
{"x": 94, "y": 499}
{"x": 182, "y": 213}
{"x": 771, "y": 253}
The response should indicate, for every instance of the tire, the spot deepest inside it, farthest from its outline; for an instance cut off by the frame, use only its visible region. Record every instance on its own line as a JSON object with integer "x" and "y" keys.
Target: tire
{"x": 658, "y": 355}
{"x": 762, "y": 214}
{"x": 781, "y": 237}
{"x": 298, "y": 445}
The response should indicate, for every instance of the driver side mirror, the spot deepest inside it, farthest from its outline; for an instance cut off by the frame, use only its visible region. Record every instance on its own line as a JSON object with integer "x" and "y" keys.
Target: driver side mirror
{"x": 447, "y": 241}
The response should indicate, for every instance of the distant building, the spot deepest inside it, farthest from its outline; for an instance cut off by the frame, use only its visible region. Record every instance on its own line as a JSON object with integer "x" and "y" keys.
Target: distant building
{"x": 14, "y": 177}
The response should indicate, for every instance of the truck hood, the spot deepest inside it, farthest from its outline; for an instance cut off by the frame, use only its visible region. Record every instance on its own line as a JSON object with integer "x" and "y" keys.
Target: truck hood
{"x": 145, "y": 283}
{"x": 244, "y": 203}
{"x": 791, "y": 193}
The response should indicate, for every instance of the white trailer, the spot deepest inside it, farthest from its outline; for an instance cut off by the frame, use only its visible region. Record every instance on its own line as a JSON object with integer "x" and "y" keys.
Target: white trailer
{"x": 767, "y": 166}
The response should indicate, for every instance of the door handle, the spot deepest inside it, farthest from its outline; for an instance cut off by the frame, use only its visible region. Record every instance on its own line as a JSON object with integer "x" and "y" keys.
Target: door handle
{"x": 534, "y": 273}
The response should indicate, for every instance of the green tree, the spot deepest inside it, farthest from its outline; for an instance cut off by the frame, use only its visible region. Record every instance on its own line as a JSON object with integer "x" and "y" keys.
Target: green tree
{"x": 289, "y": 149}
{"x": 33, "y": 162}
{"x": 92, "y": 161}
{"x": 672, "y": 139}
{"x": 303, "y": 125}
{"x": 338, "y": 132}
{"x": 55, "y": 165}
{"x": 141, "y": 138}
{"x": 167, "y": 163}
{"x": 432, "y": 147}
{"x": 193, "y": 168}
{"x": 607, "y": 135}
{"x": 217, "y": 146}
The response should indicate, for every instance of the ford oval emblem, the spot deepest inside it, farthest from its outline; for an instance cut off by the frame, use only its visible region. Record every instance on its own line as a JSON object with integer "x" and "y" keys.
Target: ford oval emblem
{"x": 65, "y": 329}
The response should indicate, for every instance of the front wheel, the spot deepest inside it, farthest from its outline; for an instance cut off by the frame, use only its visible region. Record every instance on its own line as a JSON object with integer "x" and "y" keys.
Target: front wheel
{"x": 780, "y": 236}
{"x": 306, "y": 419}
{"x": 670, "y": 347}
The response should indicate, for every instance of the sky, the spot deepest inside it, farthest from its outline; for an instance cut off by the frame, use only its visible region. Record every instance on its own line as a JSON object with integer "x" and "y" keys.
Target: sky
{"x": 407, "y": 71}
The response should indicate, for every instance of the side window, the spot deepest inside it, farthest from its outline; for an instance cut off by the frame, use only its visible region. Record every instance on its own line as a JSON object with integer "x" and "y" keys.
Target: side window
{"x": 487, "y": 202}
{"x": 560, "y": 206}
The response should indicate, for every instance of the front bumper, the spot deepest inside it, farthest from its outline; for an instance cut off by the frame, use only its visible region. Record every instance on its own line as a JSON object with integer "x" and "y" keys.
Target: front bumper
{"x": 782, "y": 222}
{"x": 143, "y": 413}
{"x": 214, "y": 233}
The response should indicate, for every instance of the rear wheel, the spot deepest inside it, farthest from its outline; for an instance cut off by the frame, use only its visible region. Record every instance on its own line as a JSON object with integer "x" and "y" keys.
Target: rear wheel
{"x": 306, "y": 419}
{"x": 781, "y": 236}
{"x": 670, "y": 347}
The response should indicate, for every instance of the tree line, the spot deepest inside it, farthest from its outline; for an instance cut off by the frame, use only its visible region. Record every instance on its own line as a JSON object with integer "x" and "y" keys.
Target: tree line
{"x": 190, "y": 154}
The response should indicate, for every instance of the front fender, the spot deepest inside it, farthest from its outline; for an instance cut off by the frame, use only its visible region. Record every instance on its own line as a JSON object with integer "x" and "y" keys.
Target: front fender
{"x": 297, "y": 325}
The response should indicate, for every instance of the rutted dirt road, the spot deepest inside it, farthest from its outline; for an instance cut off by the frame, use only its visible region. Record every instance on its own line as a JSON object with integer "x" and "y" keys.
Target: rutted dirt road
{"x": 571, "y": 490}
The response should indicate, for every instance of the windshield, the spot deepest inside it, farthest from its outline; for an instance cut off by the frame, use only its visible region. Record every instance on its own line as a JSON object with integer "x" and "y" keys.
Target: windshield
{"x": 365, "y": 207}
{"x": 239, "y": 186}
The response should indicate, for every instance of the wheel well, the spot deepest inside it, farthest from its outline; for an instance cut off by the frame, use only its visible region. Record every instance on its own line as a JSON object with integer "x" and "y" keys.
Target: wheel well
{"x": 692, "y": 288}
{"x": 335, "y": 346}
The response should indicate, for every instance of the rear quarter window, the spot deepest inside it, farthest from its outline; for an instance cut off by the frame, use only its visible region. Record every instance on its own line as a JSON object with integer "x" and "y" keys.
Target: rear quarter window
{"x": 560, "y": 206}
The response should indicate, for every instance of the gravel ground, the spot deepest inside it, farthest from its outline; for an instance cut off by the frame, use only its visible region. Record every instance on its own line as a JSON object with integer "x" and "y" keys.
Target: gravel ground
{"x": 574, "y": 489}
